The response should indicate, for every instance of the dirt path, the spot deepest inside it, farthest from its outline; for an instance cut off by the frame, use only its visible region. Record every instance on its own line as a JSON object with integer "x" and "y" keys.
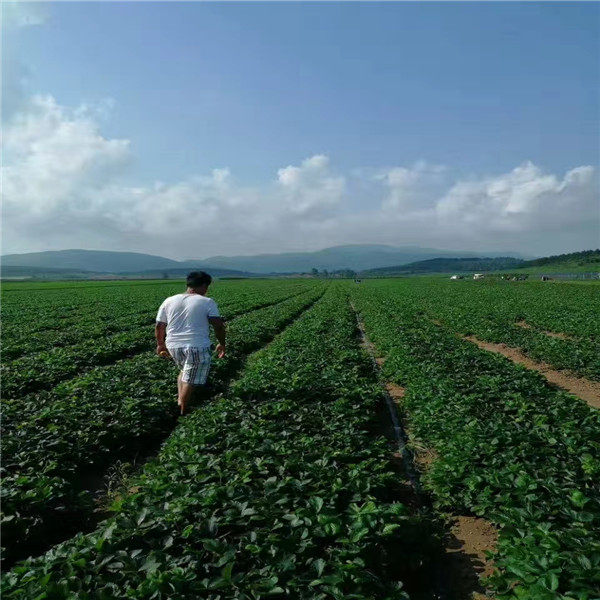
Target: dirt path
{"x": 110, "y": 481}
{"x": 554, "y": 334}
{"x": 583, "y": 388}
{"x": 457, "y": 577}
{"x": 470, "y": 538}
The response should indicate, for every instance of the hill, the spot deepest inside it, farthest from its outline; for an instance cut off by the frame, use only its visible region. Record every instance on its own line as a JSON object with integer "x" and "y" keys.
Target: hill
{"x": 98, "y": 264}
{"x": 447, "y": 265}
{"x": 358, "y": 257}
{"x": 587, "y": 261}
{"x": 90, "y": 260}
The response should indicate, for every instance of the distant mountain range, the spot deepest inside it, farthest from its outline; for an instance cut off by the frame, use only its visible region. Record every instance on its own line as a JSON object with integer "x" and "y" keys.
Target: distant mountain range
{"x": 90, "y": 260}
{"x": 87, "y": 263}
{"x": 357, "y": 257}
{"x": 448, "y": 265}
{"x": 587, "y": 261}
{"x": 369, "y": 260}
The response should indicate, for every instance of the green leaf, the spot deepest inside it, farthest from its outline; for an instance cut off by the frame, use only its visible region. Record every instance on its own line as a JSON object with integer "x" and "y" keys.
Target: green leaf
{"x": 319, "y": 565}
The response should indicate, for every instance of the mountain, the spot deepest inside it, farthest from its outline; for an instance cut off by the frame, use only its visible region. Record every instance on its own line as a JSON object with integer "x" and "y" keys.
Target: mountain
{"x": 90, "y": 260}
{"x": 82, "y": 264}
{"x": 358, "y": 257}
{"x": 448, "y": 265}
{"x": 587, "y": 261}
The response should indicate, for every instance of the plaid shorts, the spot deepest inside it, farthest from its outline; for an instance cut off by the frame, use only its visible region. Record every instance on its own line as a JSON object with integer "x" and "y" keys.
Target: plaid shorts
{"x": 193, "y": 362}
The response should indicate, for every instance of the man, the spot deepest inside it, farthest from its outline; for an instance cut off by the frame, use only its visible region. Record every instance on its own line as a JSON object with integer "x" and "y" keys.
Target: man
{"x": 182, "y": 331}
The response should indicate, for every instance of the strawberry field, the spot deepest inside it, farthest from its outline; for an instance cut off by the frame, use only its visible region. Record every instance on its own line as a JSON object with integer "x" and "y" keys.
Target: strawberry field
{"x": 286, "y": 480}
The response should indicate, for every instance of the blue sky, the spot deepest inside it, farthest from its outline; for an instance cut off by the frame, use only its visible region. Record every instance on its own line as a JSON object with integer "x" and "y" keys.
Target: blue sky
{"x": 474, "y": 89}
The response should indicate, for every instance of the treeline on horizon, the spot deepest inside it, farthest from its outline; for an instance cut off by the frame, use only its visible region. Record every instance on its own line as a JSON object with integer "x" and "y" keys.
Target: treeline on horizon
{"x": 486, "y": 264}
{"x": 582, "y": 258}
{"x": 442, "y": 265}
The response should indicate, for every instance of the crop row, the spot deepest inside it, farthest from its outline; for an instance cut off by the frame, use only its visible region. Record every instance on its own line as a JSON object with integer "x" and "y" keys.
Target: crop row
{"x": 43, "y": 369}
{"x": 44, "y": 314}
{"x": 496, "y": 311}
{"x": 86, "y": 423}
{"x": 38, "y": 310}
{"x": 95, "y": 316}
{"x": 511, "y": 448}
{"x": 280, "y": 489}
{"x": 566, "y": 307}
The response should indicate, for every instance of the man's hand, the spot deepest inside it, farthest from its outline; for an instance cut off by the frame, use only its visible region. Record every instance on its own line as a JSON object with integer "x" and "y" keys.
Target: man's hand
{"x": 218, "y": 324}
{"x": 160, "y": 332}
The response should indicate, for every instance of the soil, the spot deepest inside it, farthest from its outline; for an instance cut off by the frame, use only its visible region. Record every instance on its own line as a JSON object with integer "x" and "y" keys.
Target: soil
{"x": 554, "y": 334}
{"x": 395, "y": 391}
{"x": 424, "y": 457}
{"x": 470, "y": 538}
{"x": 579, "y": 386}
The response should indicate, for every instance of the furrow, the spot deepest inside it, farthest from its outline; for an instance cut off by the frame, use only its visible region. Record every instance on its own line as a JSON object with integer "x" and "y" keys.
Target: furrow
{"x": 41, "y": 371}
{"x": 281, "y": 488}
{"x": 132, "y": 414}
{"x": 455, "y": 573}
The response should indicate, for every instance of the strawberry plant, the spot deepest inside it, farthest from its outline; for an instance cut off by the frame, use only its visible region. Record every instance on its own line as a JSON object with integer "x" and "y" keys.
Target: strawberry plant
{"x": 510, "y": 448}
{"x": 52, "y": 440}
{"x": 108, "y": 342}
{"x": 275, "y": 490}
{"x": 524, "y": 315}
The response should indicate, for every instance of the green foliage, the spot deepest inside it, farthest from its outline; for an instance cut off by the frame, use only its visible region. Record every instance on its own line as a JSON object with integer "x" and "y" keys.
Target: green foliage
{"x": 587, "y": 257}
{"x": 282, "y": 486}
{"x": 54, "y": 437}
{"x": 278, "y": 489}
{"x": 511, "y": 448}
{"x": 493, "y": 309}
{"x": 447, "y": 265}
{"x": 79, "y": 336}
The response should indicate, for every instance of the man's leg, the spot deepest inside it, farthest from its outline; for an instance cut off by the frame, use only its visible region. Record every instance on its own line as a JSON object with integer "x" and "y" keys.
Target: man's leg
{"x": 179, "y": 384}
{"x": 185, "y": 394}
{"x": 193, "y": 376}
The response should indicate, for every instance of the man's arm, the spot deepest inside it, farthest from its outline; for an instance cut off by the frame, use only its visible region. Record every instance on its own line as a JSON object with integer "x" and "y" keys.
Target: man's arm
{"x": 218, "y": 324}
{"x": 160, "y": 332}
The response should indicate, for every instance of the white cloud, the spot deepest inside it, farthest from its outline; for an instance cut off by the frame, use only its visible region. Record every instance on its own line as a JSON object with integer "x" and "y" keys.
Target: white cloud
{"x": 55, "y": 157}
{"x": 62, "y": 189}
{"x": 523, "y": 199}
{"x": 412, "y": 188}
{"x": 310, "y": 190}
{"x": 23, "y": 14}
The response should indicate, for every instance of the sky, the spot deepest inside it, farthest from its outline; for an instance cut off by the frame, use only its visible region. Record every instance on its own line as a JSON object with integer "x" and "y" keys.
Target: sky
{"x": 195, "y": 129}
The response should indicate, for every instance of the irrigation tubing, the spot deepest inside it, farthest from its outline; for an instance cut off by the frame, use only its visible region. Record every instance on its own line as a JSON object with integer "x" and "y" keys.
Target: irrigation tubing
{"x": 400, "y": 436}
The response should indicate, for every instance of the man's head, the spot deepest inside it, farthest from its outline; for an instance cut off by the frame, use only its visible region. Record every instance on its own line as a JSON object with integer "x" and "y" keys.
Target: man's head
{"x": 198, "y": 281}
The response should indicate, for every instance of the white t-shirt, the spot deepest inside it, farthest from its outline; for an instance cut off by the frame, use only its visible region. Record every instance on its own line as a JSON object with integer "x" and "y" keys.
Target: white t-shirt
{"x": 186, "y": 316}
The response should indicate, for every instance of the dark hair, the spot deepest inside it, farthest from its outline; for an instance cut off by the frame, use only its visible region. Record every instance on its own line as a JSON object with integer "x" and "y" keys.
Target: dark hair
{"x": 198, "y": 278}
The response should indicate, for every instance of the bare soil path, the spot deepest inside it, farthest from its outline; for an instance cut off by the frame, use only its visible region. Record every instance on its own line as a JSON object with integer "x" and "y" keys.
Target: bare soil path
{"x": 554, "y": 334}
{"x": 579, "y": 386}
{"x": 469, "y": 537}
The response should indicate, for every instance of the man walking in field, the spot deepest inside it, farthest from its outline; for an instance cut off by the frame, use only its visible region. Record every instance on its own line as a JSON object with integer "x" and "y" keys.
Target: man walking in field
{"x": 182, "y": 331}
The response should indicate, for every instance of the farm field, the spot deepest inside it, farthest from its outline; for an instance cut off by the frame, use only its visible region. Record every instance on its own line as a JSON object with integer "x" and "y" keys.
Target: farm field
{"x": 286, "y": 480}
